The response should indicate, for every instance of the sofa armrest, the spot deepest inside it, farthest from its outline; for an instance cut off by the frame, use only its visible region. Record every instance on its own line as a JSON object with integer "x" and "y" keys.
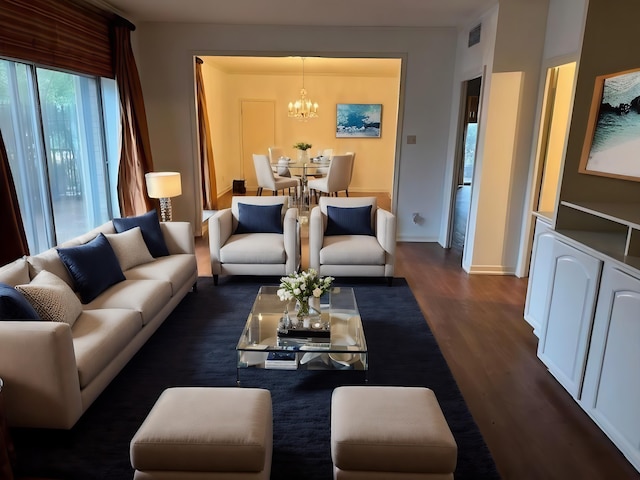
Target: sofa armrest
{"x": 220, "y": 229}
{"x": 386, "y": 235}
{"x": 38, "y": 367}
{"x": 316, "y": 237}
{"x": 291, "y": 230}
{"x": 179, "y": 237}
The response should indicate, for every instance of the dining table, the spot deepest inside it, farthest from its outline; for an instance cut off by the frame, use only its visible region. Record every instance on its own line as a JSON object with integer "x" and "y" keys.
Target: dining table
{"x": 301, "y": 170}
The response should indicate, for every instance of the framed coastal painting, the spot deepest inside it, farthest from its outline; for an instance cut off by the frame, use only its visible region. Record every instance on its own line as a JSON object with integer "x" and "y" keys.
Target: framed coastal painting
{"x": 358, "y": 120}
{"x": 612, "y": 142}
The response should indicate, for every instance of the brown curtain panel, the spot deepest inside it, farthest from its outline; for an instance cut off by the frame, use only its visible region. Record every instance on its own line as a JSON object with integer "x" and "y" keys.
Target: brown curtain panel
{"x": 207, "y": 167}
{"x": 14, "y": 241}
{"x": 135, "y": 156}
{"x": 65, "y": 34}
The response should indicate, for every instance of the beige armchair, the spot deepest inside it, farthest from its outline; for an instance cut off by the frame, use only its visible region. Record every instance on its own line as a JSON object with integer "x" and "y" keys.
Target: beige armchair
{"x": 343, "y": 241}
{"x": 249, "y": 239}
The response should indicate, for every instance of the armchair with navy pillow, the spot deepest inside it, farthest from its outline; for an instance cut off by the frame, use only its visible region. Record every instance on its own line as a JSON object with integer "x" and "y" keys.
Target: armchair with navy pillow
{"x": 256, "y": 236}
{"x": 352, "y": 237}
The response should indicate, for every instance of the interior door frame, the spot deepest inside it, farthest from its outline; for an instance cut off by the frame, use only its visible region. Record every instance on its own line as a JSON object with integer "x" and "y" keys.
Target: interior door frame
{"x": 458, "y": 157}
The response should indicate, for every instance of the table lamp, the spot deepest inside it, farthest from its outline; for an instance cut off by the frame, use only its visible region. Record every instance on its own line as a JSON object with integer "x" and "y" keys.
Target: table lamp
{"x": 164, "y": 185}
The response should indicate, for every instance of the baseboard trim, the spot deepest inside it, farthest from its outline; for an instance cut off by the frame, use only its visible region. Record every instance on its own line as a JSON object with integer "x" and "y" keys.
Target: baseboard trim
{"x": 490, "y": 270}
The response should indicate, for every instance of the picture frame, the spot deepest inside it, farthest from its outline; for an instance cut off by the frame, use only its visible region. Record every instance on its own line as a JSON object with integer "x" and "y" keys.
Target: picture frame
{"x": 358, "y": 120}
{"x": 612, "y": 141}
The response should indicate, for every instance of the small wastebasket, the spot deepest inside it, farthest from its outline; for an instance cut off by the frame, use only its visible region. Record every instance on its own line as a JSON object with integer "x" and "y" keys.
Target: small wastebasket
{"x": 238, "y": 186}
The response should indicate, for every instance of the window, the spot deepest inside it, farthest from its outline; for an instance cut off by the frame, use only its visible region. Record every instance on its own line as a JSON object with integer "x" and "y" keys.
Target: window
{"x": 53, "y": 127}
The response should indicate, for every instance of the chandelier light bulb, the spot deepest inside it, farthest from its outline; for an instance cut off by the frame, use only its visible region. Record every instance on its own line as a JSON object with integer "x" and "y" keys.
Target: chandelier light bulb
{"x": 303, "y": 108}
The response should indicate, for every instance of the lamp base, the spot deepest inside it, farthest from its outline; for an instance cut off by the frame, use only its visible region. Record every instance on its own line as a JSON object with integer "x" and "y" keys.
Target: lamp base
{"x": 165, "y": 209}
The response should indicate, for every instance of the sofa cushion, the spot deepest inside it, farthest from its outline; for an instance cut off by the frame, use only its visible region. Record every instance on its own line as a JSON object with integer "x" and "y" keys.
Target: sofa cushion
{"x": 52, "y": 298}
{"x": 254, "y": 248}
{"x": 348, "y": 221}
{"x": 98, "y": 337}
{"x": 176, "y": 269}
{"x": 145, "y": 296}
{"x": 14, "y": 306}
{"x": 151, "y": 232}
{"x": 130, "y": 248}
{"x": 15, "y": 273}
{"x": 259, "y": 218}
{"x": 50, "y": 261}
{"x": 93, "y": 266}
{"x": 351, "y": 250}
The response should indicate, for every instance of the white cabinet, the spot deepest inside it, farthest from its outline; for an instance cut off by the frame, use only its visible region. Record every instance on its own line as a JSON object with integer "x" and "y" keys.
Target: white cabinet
{"x": 569, "y": 306}
{"x": 539, "y": 273}
{"x": 611, "y": 392}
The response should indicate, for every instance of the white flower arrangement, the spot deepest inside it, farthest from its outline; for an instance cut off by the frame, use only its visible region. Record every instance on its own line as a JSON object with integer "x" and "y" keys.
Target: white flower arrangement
{"x": 302, "y": 286}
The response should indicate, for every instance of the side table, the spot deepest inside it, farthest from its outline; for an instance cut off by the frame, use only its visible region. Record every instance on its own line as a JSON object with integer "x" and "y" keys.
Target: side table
{"x": 7, "y": 452}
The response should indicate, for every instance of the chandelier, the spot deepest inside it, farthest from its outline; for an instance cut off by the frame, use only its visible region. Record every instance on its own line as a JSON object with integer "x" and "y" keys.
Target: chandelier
{"x": 303, "y": 108}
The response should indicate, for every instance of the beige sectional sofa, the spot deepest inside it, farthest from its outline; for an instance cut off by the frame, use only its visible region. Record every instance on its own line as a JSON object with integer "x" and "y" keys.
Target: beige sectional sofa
{"x": 52, "y": 370}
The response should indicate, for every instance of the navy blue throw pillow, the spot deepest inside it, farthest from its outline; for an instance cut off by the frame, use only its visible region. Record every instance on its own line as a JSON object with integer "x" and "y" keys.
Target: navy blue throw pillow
{"x": 348, "y": 221}
{"x": 93, "y": 266}
{"x": 151, "y": 232}
{"x": 13, "y": 305}
{"x": 259, "y": 218}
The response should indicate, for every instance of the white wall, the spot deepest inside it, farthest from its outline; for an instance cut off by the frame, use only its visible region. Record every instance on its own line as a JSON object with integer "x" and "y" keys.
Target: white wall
{"x": 502, "y": 161}
{"x": 165, "y": 60}
{"x": 471, "y": 63}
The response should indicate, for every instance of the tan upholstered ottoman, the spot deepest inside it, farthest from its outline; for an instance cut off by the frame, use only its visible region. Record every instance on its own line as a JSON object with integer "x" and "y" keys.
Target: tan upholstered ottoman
{"x": 205, "y": 433}
{"x": 390, "y": 433}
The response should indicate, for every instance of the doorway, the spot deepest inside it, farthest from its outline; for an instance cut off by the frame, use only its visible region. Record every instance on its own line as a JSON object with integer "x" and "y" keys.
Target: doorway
{"x": 465, "y": 161}
{"x": 258, "y": 134}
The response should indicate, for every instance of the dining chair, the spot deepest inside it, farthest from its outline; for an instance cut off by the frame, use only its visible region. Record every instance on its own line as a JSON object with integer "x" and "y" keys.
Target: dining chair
{"x": 353, "y": 162}
{"x": 327, "y": 153}
{"x": 275, "y": 153}
{"x": 269, "y": 180}
{"x": 337, "y": 179}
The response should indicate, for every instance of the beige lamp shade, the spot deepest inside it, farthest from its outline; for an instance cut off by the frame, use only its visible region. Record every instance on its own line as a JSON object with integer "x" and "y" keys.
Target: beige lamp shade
{"x": 163, "y": 184}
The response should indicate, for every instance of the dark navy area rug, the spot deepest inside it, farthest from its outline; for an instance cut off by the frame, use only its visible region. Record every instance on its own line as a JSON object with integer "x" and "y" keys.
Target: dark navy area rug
{"x": 196, "y": 347}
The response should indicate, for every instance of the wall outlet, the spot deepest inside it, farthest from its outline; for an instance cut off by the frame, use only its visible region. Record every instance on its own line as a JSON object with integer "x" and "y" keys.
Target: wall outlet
{"x": 411, "y": 139}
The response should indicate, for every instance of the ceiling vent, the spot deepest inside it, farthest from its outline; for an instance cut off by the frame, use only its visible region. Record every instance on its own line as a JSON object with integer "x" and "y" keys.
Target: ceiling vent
{"x": 474, "y": 35}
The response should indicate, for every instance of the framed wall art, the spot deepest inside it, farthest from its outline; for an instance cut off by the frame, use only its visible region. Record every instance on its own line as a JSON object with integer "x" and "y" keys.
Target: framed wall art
{"x": 358, "y": 120}
{"x": 612, "y": 142}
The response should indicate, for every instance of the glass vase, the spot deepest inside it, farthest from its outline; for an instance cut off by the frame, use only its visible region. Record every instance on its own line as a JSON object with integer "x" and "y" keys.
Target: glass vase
{"x": 306, "y": 308}
{"x": 303, "y": 156}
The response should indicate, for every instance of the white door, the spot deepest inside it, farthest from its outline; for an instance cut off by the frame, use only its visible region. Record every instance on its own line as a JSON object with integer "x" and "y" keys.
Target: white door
{"x": 611, "y": 394}
{"x": 258, "y": 134}
{"x": 564, "y": 338}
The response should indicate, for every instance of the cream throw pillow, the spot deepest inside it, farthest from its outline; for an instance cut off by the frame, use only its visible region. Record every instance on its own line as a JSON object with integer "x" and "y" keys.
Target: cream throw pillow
{"x": 52, "y": 298}
{"x": 130, "y": 248}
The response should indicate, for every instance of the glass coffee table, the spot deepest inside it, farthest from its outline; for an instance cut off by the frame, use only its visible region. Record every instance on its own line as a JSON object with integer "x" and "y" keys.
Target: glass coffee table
{"x": 345, "y": 348}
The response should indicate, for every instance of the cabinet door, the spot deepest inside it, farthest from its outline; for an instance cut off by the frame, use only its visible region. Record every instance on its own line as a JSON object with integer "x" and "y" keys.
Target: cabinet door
{"x": 611, "y": 392}
{"x": 539, "y": 275}
{"x": 564, "y": 338}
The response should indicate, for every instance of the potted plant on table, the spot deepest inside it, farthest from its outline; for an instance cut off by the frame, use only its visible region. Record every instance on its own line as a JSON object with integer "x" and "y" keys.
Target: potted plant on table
{"x": 303, "y": 154}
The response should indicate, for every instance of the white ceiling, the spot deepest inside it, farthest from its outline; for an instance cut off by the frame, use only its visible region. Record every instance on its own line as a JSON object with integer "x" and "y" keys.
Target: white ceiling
{"x": 364, "y": 13}
{"x": 373, "y": 13}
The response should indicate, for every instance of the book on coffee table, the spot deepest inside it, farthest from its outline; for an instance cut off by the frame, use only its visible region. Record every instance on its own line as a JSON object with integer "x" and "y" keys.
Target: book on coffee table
{"x": 282, "y": 360}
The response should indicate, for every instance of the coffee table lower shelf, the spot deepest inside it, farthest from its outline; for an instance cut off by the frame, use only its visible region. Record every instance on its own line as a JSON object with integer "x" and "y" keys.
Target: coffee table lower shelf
{"x": 302, "y": 360}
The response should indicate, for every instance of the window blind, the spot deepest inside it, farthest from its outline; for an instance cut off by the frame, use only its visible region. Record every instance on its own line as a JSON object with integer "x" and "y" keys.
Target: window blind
{"x": 57, "y": 33}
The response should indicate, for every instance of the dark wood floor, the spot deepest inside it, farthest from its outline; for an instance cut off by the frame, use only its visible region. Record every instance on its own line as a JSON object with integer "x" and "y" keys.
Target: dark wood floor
{"x": 532, "y": 426}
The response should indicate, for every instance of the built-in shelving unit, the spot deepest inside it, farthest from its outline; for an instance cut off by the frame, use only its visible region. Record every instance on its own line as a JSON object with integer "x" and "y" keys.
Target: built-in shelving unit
{"x": 610, "y": 228}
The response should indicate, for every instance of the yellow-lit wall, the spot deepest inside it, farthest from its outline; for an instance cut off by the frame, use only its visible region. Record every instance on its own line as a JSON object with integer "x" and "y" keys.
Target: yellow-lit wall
{"x": 373, "y": 171}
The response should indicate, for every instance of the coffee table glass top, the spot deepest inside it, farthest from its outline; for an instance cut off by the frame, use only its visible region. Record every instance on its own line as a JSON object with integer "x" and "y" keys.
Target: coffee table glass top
{"x": 346, "y": 348}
